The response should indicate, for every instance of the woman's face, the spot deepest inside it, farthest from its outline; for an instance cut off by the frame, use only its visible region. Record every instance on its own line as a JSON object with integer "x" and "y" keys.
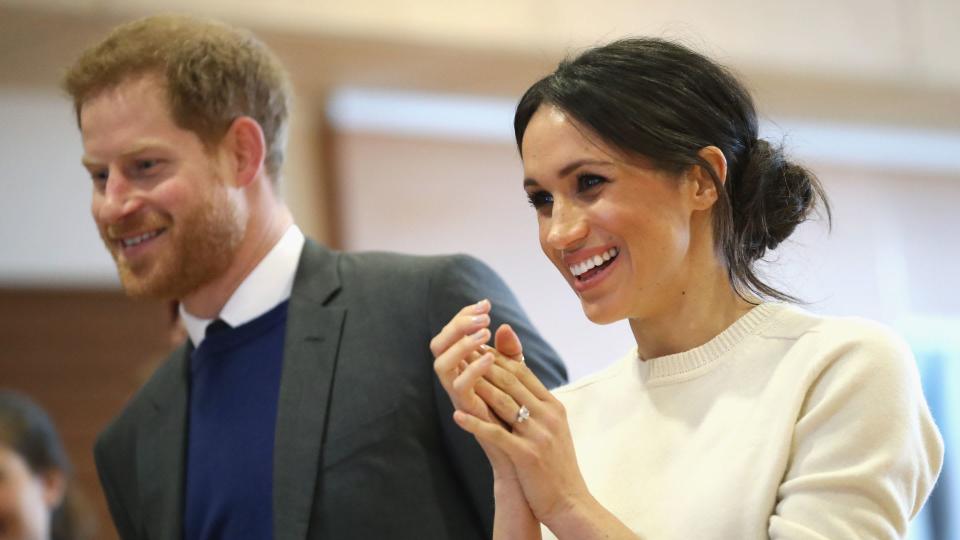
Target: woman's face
{"x": 25, "y": 499}
{"x": 618, "y": 229}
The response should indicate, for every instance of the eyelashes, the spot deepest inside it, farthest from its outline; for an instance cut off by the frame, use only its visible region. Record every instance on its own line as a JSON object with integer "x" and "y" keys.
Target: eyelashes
{"x": 586, "y": 185}
{"x": 539, "y": 199}
{"x": 586, "y": 182}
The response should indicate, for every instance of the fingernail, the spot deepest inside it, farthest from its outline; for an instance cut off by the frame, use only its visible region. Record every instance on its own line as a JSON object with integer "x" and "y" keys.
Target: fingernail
{"x": 479, "y": 335}
{"x": 481, "y": 306}
{"x": 480, "y": 319}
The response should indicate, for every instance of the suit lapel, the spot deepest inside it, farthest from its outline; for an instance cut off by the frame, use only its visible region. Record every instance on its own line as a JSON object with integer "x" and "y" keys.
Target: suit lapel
{"x": 161, "y": 445}
{"x": 310, "y": 356}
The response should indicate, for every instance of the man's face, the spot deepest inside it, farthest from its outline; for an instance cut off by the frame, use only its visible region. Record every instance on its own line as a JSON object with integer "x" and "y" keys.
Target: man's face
{"x": 161, "y": 200}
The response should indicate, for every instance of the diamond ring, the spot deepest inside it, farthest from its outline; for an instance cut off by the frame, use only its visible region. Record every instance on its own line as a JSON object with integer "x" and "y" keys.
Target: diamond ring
{"x": 523, "y": 414}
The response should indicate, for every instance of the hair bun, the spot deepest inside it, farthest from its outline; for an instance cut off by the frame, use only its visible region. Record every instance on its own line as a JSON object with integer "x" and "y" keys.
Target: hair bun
{"x": 770, "y": 198}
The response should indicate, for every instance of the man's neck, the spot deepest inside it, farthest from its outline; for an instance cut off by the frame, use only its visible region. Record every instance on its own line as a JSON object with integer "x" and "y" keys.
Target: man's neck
{"x": 260, "y": 237}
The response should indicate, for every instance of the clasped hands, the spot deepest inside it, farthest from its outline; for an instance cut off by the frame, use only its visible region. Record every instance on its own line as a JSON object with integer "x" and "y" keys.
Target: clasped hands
{"x": 488, "y": 387}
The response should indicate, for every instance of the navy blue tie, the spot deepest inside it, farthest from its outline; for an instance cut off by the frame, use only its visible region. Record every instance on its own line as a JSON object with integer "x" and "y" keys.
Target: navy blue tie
{"x": 216, "y": 327}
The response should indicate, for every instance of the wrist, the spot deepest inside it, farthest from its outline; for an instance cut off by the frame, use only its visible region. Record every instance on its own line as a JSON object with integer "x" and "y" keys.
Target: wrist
{"x": 506, "y": 486}
{"x": 585, "y": 518}
{"x": 573, "y": 514}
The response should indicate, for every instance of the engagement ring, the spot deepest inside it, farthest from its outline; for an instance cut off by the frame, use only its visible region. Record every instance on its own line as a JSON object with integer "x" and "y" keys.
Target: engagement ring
{"x": 523, "y": 414}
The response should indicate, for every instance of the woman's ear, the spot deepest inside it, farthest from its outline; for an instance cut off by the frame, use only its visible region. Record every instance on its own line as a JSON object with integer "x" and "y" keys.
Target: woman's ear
{"x": 54, "y": 487}
{"x": 705, "y": 192}
{"x": 248, "y": 149}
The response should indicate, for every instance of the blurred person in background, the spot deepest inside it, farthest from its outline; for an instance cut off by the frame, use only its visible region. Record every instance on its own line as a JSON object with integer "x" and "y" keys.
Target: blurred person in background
{"x": 37, "y": 498}
{"x": 303, "y": 404}
{"x": 737, "y": 415}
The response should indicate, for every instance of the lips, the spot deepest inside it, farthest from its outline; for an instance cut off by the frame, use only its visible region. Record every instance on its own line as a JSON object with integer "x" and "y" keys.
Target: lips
{"x": 584, "y": 269}
{"x": 136, "y": 240}
{"x": 133, "y": 245}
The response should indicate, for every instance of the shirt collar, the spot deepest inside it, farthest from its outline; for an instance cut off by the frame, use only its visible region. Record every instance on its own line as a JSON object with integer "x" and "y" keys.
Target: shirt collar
{"x": 269, "y": 284}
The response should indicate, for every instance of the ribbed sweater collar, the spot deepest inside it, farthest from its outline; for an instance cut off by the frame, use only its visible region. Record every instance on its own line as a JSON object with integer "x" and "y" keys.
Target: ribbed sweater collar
{"x": 686, "y": 362}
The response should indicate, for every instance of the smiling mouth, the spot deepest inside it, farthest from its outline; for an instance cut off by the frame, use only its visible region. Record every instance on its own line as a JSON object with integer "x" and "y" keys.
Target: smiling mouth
{"x": 584, "y": 270}
{"x": 127, "y": 243}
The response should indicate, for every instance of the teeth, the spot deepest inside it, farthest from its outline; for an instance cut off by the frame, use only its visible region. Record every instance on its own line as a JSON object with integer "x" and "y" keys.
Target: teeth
{"x": 593, "y": 262}
{"x": 129, "y": 242}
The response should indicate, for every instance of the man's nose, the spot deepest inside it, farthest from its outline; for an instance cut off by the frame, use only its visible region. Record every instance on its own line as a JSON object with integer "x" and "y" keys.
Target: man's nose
{"x": 120, "y": 198}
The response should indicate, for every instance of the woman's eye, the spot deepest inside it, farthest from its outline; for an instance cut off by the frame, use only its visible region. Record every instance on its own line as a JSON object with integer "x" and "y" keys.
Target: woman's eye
{"x": 586, "y": 182}
{"x": 539, "y": 199}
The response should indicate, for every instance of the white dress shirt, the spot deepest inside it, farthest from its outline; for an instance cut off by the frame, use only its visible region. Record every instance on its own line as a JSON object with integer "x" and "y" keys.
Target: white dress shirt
{"x": 269, "y": 284}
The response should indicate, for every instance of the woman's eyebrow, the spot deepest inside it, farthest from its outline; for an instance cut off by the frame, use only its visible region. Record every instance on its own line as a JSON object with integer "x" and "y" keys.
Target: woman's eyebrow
{"x": 570, "y": 167}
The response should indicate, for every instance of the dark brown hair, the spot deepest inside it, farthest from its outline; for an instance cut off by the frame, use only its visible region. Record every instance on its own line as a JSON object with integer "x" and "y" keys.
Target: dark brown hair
{"x": 661, "y": 100}
{"x": 27, "y": 430}
{"x": 213, "y": 75}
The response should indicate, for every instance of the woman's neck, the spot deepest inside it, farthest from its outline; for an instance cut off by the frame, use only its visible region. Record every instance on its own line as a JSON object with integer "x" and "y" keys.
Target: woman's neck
{"x": 695, "y": 316}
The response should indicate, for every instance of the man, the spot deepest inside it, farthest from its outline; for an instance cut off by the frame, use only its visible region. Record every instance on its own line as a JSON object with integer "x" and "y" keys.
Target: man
{"x": 304, "y": 404}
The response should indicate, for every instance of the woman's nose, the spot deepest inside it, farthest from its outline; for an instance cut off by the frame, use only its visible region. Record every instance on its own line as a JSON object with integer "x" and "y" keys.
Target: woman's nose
{"x": 568, "y": 227}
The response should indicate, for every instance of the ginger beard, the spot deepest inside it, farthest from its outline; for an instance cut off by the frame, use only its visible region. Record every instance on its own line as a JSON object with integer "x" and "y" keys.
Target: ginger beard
{"x": 196, "y": 247}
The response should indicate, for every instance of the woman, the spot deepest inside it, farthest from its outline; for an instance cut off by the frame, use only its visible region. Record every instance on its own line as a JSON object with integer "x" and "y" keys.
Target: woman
{"x": 35, "y": 498}
{"x": 734, "y": 416}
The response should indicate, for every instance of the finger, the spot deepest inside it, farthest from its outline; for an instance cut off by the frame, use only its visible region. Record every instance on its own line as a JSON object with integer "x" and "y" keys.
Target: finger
{"x": 489, "y": 433}
{"x": 508, "y": 383}
{"x": 499, "y": 402}
{"x": 526, "y": 377}
{"x": 508, "y": 342}
{"x": 447, "y": 364}
{"x": 467, "y": 321}
{"x": 467, "y": 379}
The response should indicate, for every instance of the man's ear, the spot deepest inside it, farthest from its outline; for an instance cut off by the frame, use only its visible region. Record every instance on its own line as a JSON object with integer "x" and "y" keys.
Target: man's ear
{"x": 704, "y": 187}
{"x": 248, "y": 149}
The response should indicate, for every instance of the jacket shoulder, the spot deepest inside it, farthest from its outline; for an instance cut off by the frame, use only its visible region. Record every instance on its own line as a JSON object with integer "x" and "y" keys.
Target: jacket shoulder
{"x": 122, "y": 428}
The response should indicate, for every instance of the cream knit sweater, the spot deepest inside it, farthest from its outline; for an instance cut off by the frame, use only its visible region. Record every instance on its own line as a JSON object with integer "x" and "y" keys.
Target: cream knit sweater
{"x": 786, "y": 425}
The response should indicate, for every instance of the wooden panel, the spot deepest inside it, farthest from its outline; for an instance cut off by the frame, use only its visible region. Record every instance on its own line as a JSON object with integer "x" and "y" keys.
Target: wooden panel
{"x": 80, "y": 355}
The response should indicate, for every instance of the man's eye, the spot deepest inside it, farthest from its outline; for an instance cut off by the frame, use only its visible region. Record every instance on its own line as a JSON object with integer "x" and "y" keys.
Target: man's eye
{"x": 539, "y": 199}
{"x": 99, "y": 176}
{"x": 586, "y": 182}
{"x": 146, "y": 164}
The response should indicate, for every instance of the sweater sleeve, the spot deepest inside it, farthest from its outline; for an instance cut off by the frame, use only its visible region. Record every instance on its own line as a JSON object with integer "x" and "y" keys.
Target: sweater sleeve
{"x": 865, "y": 451}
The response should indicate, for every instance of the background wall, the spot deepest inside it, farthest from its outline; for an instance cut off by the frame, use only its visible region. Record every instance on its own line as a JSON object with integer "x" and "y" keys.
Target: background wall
{"x": 401, "y": 140}
{"x": 421, "y": 186}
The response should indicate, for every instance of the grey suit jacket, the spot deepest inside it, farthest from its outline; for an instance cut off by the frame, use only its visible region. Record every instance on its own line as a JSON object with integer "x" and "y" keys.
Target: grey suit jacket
{"x": 365, "y": 446}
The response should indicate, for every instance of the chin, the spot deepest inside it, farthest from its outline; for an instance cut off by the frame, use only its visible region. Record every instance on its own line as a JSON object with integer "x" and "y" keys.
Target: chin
{"x": 142, "y": 289}
{"x": 149, "y": 286}
{"x": 600, "y": 314}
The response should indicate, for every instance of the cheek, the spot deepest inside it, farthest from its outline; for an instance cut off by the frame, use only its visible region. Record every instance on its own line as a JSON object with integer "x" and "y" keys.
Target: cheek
{"x": 95, "y": 203}
{"x": 543, "y": 226}
{"x": 544, "y": 229}
{"x": 178, "y": 196}
{"x": 6, "y": 499}
{"x": 14, "y": 498}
